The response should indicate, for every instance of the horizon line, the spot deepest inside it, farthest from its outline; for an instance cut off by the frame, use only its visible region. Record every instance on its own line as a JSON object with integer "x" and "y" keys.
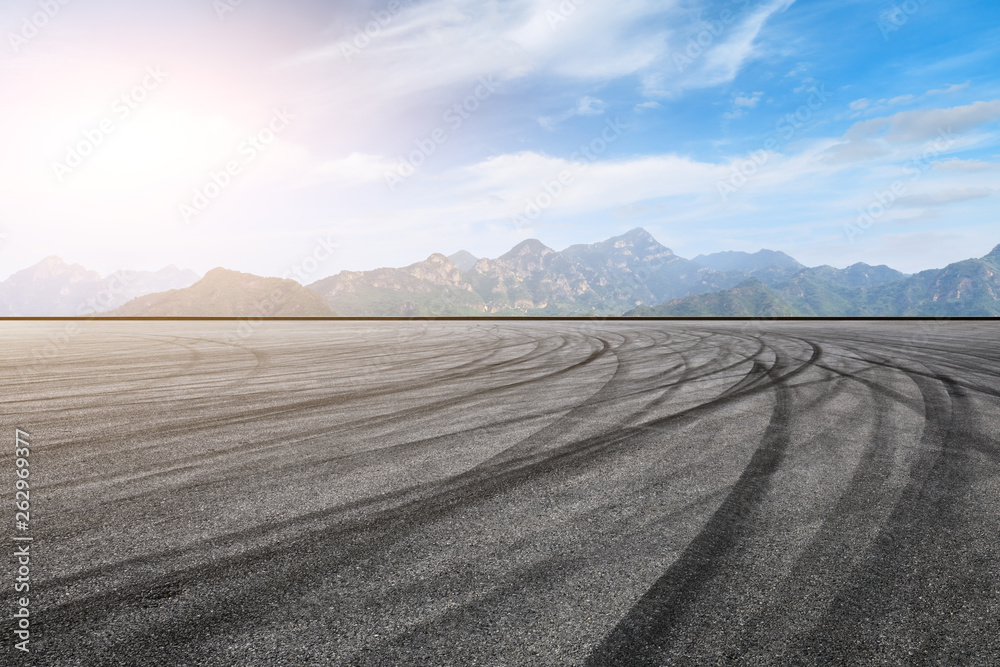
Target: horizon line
{"x": 487, "y": 318}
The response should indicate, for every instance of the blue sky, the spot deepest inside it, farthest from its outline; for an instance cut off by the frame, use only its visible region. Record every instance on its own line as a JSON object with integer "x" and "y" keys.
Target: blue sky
{"x": 244, "y": 134}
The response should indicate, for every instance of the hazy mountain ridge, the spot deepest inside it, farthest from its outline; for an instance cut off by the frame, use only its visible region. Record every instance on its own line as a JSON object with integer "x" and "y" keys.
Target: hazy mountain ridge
{"x": 970, "y": 288}
{"x": 531, "y": 279}
{"x": 610, "y": 277}
{"x": 635, "y": 268}
{"x": 463, "y": 259}
{"x": 605, "y": 278}
{"x": 224, "y": 293}
{"x": 967, "y": 288}
{"x": 433, "y": 286}
{"x": 751, "y": 298}
{"x": 53, "y": 288}
{"x": 734, "y": 260}
{"x": 630, "y": 274}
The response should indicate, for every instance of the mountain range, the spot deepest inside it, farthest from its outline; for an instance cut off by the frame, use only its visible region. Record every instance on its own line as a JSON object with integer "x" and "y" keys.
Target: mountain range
{"x": 631, "y": 274}
{"x": 224, "y": 293}
{"x": 970, "y": 288}
{"x": 53, "y": 288}
{"x": 605, "y": 278}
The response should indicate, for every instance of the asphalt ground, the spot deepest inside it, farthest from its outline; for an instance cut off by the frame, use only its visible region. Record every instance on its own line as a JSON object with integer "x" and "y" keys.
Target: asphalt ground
{"x": 506, "y": 493}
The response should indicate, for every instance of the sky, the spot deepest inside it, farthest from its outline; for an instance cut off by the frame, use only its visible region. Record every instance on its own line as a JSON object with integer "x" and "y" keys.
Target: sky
{"x": 254, "y": 134}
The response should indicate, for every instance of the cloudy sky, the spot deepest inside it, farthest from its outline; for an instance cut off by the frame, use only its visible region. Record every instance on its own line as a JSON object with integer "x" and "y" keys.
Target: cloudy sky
{"x": 245, "y": 133}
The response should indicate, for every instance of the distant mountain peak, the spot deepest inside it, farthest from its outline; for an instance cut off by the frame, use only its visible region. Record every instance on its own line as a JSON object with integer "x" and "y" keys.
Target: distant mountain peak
{"x": 55, "y": 263}
{"x": 226, "y": 293}
{"x": 637, "y": 234}
{"x": 220, "y": 272}
{"x": 527, "y": 247}
{"x": 737, "y": 260}
{"x": 54, "y": 268}
{"x": 53, "y": 287}
{"x": 639, "y": 239}
{"x": 464, "y": 260}
{"x": 994, "y": 256}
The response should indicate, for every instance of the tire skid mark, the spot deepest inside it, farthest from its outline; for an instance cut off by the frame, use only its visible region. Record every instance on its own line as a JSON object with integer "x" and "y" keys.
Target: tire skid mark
{"x": 810, "y": 579}
{"x": 191, "y": 463}
{"x": 398, "y": 519}
{"x": 644, "y": 634}
{"x": 609, "y": 394}
{"x": 332, "y": 538}
{"x": 323, "y": 404}
{"x": 927, "y": 506}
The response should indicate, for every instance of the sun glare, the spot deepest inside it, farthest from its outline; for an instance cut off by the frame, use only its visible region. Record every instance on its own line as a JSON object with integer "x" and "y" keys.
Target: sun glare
{"x": 156, "y": 148}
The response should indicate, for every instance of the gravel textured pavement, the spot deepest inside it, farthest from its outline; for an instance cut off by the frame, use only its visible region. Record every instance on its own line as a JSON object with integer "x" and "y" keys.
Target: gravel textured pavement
{"x": 507, "y": 493}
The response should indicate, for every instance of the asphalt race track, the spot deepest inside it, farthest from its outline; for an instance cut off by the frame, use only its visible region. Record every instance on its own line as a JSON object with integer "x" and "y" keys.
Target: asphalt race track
{"x": 507, "y": 493}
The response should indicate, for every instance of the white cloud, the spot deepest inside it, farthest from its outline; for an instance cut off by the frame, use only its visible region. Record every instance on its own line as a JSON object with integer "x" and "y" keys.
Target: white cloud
{"x": 927, "y": 124}
{"x": 726, "y": 59}
{"x": 801, "y": 189}
{"x": 944, "y": 197}
{"x": 585, "y": 106}
{"x": 509, "y": 180}
{"x": 957, "y": 165}
{"x": 795, "y": 193}
{"x": 883, "y": 104}
{"x": 949, "y": 89}
{"x": 547, "y": 122}
{"x": 443, "y": 43}
{"x": 694, "y": 65}
{"x": 882, "y": 137}
{"x": 901, "y": 99}
{"x": 797, "y": 71}
{"x": 643, "y": 106}
{"x": 743, "y": 102}
{"x": 355, "y": 169}
{"x": 747, "y": 101}
{"x": 590, "y": 106}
